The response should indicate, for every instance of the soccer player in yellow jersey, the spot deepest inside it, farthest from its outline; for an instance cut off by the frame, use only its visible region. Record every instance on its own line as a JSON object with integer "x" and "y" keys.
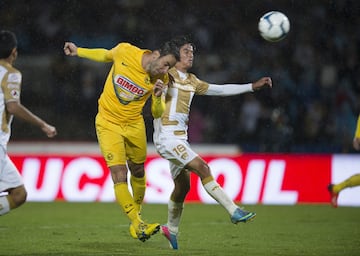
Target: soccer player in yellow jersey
{"x": 10, "y": 88}
{"x": 352, "y": 181}
{"x": 170, "y": 139}
{"x": 135, "y": 75}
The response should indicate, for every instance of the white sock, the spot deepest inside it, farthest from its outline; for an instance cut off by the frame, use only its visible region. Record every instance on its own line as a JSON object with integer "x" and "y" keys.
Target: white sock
{"x": 215, "y": 191}
{"x": 174, "y": 215}
{"x": 4, "y": 205}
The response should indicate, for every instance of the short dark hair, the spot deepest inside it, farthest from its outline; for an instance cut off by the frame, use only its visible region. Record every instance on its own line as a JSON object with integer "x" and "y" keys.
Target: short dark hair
{"x": 182, "y": 40}
{"x": 7, "y": 43}
{"x": 173, "y": 46}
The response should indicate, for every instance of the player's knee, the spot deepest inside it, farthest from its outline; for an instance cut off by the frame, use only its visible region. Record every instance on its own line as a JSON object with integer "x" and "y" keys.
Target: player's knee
{"x": 119, "y": 173}
{"x": 18, "y": 196}
{"x": 137, "y": 170}
{"x": 204, "y": 170}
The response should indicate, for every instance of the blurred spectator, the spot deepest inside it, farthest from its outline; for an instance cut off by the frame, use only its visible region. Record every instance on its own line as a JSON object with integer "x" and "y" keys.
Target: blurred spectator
{"x": 249, "y": 115}
{"x": 278, "y": 135}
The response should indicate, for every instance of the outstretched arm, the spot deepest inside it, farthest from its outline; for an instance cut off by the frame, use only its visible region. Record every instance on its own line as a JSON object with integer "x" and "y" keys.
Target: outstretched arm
{"x": 234, "y": 89}
{"x": 98, "y": 54}
{"x": 18, "y": 110}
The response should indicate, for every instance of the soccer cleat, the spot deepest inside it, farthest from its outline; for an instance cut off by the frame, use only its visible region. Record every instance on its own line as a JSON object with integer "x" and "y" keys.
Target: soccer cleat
{"x": 132, "y": 232}
{"x": 333, "y": 196}
{"x": 170, "y": 236}
{"x": 242, "y": 216}
{"x": 144, "y": 231}
{"x": 131, "y": 227}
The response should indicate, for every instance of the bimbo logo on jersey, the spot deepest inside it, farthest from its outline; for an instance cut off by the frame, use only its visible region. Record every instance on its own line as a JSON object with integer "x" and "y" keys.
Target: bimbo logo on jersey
{"x": 129, "y": 86}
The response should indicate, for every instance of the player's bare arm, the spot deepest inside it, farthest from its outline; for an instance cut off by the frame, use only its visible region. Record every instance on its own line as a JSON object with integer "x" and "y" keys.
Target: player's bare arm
{"x": 70, "y": 49}
{"x": 19, "y": 111}
{"x": 263, "y": 82}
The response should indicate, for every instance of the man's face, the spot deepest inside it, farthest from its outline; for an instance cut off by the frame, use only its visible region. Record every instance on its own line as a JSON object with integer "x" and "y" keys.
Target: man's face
{"x": 186, "y": 56}
{"x": 161, "y": 65}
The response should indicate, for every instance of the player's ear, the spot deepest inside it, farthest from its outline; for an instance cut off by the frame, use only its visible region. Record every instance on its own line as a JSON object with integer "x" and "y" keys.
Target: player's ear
{"x": 156, "y": 54}
{"x": 14, "y": 52}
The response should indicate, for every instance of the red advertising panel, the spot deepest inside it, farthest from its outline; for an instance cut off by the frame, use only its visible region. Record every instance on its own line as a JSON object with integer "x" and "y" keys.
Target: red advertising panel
{"x": 246, "y": 178}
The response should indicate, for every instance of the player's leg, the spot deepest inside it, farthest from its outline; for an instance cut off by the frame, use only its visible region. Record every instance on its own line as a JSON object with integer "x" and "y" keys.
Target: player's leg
{"x": 352, "y": 181}
{"x": 201, "y": 168}
{"x": 335, "y": 189}
{"x": 138, "y": 229}
{"x": 15, "y": 198}
{"x": 11, "y": 182}
{"x": 138, "y": 183}
{"x": 135, "y": 145}
{"x": 177, "y": 198}
{"x": 175, "y": 207}
{"x": 122, "y": 193}
{"x": 178, "y": 153}
{"x": 112, "y": 144}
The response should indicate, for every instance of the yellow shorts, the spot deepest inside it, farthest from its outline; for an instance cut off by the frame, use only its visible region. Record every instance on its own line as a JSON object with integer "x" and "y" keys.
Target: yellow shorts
{"x": 121, "y": 142}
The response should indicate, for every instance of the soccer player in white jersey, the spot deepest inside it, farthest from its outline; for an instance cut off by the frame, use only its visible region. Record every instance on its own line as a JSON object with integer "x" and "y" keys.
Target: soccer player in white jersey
{"x": 10, "y": 87}
{"x": 171, "y": 140}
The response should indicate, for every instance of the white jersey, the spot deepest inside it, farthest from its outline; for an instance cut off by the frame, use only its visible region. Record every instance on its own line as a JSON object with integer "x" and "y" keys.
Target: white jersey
{"x": 179, "y": 95}
{"x": 170, "y": 131}
{"x": 10, "y": 87}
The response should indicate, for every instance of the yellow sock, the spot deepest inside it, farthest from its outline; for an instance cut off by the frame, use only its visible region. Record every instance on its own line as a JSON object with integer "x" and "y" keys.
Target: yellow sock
{"x": 126, "y": 201}
{"x": 138, "y": 187}
{"x": 352, "y": 181}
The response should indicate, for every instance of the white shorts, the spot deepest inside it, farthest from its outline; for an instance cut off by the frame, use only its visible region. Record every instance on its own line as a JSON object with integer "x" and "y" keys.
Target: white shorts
{"x": 9, "y": 175}
{"x": 178, "y": 152}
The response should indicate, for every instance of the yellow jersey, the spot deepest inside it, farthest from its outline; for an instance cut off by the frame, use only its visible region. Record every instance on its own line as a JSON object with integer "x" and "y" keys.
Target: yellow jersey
{"x": 128, "y": 86}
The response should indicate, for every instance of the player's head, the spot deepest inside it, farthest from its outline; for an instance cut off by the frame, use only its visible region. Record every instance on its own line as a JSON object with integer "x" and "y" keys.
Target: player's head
{"x": 8, "y": 43}
{"x": 170, "y": 48}
{"x": 187, "y": 49}
{"x": 165, "y": 58}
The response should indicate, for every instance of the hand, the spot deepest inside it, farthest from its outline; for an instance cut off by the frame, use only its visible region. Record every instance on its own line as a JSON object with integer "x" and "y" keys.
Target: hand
{"x": 263, "y": 82}
{"x": 158, "y": 88}
{"x": 356, "y": 143}
{"x": 70, "y": 49}
{"x": 49, "y": 130}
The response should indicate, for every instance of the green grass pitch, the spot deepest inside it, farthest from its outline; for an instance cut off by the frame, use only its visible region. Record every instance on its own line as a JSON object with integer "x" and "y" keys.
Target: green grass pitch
{"x": 71, "y": 229}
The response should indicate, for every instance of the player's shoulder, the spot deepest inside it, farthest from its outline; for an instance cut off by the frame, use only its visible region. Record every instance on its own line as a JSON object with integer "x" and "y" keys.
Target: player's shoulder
{"x": 194, "y": 79}
{"x": 125, "y": 48}
{"x": 128, "y": 46}
{"x": 8, "y": 67}
{"x": 12, "y": 73}
{"x": 173, "y": 72}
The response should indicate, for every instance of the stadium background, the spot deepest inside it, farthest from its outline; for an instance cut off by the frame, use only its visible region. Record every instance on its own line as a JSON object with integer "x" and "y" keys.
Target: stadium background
{"x": 311, "y": 109}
